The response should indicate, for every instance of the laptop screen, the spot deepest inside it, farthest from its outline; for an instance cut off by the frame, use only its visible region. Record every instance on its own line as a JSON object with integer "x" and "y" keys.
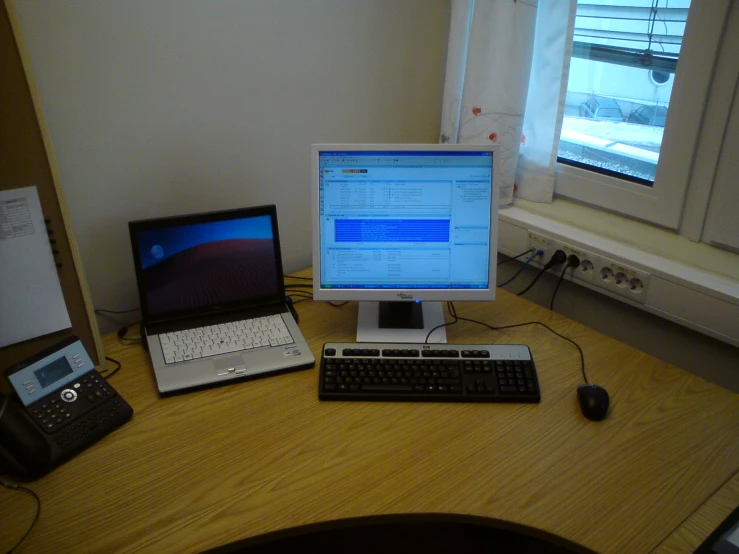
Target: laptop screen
{"x": 207, "y": 263}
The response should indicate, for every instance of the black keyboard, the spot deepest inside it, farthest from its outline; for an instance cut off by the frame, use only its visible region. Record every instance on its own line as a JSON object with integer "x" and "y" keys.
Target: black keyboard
{"x": 428, "y": 372}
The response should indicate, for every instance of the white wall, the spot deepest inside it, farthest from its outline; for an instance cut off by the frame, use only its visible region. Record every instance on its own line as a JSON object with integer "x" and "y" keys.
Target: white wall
{"x": 177, "y": 106}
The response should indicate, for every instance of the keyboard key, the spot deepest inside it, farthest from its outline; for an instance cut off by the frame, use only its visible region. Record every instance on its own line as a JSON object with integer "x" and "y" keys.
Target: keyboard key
{"x": 225, "y": 338}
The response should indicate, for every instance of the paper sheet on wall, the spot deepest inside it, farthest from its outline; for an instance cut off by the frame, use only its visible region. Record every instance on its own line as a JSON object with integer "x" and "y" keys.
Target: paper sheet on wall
{"x": 31, "y": 298}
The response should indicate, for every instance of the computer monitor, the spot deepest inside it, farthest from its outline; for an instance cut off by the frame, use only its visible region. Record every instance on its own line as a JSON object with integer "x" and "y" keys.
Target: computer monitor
{"x": 401, "y": 228}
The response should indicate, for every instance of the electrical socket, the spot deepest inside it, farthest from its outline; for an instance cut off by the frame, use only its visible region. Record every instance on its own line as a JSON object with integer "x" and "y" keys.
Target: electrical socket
{"x": 622, "y": 280}
{"x": 543, "y": 243}
{"x": 588, "y": 261}
{"x": 594, "y": 269}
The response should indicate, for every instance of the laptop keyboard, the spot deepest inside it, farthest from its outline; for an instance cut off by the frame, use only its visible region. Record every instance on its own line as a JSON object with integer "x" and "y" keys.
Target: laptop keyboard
{"x": 235, "y": 336}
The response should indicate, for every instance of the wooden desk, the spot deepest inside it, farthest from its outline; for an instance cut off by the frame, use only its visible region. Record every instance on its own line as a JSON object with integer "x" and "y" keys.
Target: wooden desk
{"x": 208, "y": 468}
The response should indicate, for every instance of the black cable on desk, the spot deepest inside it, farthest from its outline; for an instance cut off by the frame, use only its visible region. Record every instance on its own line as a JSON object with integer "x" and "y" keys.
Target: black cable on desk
{"x": 101, "y": 311}
{"x": 296, "y": 298}
{"x": 115, "y": 369}
{"x": 453, "y": 312}
{"x": 301, "y": 293}
{"x": 13, "y": 486}
{"x": 122, "y": 332}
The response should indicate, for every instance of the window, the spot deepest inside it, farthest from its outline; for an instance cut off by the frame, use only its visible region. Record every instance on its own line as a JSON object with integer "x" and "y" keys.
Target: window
{"x": 619, "y": 86}
{"x": 633, "y": 114}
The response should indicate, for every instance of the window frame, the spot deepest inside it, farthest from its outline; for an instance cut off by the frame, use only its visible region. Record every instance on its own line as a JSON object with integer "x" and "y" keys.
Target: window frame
{"x": 663, "y": 203}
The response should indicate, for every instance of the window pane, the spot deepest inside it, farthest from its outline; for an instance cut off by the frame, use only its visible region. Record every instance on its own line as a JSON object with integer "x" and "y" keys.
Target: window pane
{"x": 620, "y": 82}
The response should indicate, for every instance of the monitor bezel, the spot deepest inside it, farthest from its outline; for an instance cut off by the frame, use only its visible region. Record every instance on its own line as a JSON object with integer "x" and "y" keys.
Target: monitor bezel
{"x": 401, "y": 294}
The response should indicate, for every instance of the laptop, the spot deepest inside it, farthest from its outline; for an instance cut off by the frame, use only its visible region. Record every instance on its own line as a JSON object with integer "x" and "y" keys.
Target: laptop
{"x": 213, "y": 299}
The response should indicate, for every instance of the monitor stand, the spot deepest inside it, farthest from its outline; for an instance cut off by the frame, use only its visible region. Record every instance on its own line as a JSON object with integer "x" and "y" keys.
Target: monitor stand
{"x": 400, "y": 322}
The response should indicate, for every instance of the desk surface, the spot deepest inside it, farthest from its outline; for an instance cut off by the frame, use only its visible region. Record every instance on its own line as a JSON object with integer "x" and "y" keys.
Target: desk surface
{"x": 211, "y": 467}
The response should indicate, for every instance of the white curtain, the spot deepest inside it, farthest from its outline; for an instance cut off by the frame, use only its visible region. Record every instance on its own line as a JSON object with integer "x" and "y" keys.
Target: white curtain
{"x": 506, "y": 81}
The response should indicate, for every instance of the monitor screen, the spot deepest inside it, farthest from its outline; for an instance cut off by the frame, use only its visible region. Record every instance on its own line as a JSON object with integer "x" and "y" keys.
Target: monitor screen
{"x": 203, "y": 263}
{"x": 404, "y": 222}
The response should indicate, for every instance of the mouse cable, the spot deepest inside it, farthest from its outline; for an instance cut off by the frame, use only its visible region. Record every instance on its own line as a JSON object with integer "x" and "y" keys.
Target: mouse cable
{"x": 559, "y": 257}
{"x": 572, "y": 262}
{"x": 520, "y": 269}
{"x": 297, "y": 286}
{"x": 296, "y": 277}
{"x": 13, "y": 486}
{"x": 516, "y": 257}
{"x": 453, "y": 312}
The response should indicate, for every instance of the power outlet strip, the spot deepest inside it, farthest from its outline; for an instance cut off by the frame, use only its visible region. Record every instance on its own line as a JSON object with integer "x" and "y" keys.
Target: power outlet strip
{"x": 600, "y": 271}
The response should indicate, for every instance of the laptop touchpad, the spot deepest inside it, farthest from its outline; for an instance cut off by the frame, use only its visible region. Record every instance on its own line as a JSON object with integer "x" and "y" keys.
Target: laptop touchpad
{"x": 232, "y": 364}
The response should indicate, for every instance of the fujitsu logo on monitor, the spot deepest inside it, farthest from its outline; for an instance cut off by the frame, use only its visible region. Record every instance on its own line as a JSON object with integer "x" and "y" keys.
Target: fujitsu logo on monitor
{"x": 405, "y": 296}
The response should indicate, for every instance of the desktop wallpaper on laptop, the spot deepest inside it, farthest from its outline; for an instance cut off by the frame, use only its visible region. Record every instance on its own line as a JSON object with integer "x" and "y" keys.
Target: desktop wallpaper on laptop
{"x": 208, "y": 264}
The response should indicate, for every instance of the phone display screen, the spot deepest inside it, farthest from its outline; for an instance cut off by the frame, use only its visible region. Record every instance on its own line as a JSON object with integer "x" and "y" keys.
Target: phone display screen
{"x": 51, "y": 373}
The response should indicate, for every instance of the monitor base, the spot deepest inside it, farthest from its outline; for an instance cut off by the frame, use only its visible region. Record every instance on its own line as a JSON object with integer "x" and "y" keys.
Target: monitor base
{"x": 368, "y": 329}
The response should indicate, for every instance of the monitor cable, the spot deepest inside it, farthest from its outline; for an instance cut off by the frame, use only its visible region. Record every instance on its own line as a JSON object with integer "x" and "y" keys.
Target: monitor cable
{"x": 520, "y": 269}
{"x": 559, "y": 257}
{"x": 300, "y": 297}
{"x": 305, "y": 295}
{"x": 299, "y": 292}
{"x": 517, "y": 256}
{"x": 26, "y": 490}
{"x": 298, "y": 286}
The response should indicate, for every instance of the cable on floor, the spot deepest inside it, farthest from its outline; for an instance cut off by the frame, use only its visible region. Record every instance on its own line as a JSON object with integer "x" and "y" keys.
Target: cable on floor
{"x": 26, "y": 490}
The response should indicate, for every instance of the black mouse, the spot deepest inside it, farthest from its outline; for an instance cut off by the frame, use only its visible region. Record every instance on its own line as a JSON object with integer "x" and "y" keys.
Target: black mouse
{"x": 594, "y": 401}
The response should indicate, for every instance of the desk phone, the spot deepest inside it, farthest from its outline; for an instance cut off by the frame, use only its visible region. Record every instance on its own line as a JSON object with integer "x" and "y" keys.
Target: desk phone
{"x": 60, "y": 407}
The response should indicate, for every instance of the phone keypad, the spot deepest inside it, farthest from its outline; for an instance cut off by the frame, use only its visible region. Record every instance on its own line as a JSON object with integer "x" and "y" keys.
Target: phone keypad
{"x": 58, "y": 409}
{"x": 73, "y": 433}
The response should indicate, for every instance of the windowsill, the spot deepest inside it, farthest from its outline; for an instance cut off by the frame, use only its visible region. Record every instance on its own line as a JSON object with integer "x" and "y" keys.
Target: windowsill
{"x": 631, "y": 233}
{"x": 691, "y": 284}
